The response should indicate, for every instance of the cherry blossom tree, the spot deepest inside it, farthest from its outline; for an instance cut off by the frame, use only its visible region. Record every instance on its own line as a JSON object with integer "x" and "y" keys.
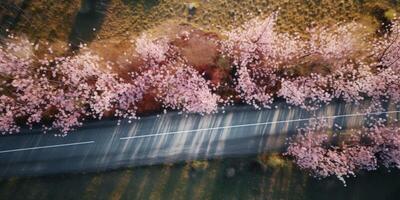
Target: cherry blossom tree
{"x": 325, "y": 154}
{"x": 65, "y": 89}
{"x": 337, "y": 44}
{"x": 184, "y": 89}
{"x": 175, "y": 84}
{"x": 386, "y": 144}
{"x": 307, "y": 92}
{"x": 386, "y": 51}
{"x": 258, "y": 51}
{"x": 263, "y": 58}
{"x": 154, "y": 52}
{"x": 16, "y": 79}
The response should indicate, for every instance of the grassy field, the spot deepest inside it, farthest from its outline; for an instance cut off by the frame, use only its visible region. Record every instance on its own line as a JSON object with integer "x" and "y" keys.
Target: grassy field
{"x": 263, "y": 177}
{"x": 42, "y": 19}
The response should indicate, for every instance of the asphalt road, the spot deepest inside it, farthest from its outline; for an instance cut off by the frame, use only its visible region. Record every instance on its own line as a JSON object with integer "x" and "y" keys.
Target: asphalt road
{"x": 171, "y": 137}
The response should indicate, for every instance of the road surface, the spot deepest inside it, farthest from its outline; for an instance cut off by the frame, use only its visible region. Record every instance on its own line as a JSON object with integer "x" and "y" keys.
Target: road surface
{"x": 172, "y": 137}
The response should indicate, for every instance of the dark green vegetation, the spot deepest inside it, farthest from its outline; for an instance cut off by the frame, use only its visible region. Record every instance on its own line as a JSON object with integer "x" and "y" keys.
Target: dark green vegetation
{"x": 269, "y": 177}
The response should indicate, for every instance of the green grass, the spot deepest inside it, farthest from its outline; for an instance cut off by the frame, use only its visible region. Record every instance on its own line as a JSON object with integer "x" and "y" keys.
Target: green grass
{"x": 207, "y": 180}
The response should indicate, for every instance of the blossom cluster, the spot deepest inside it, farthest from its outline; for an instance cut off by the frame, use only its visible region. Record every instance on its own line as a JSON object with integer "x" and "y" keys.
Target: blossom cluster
{"x": 67, "y": 90}
{"x": 337, "y": 62}
{"x": 325, "y": 154}
{"x": 258, "y": 51}
{"x": 175, "y": 84}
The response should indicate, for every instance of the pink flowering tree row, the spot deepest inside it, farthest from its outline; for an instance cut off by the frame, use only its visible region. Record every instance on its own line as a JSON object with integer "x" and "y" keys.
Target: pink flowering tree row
{"x": 325, "y": 154}
{"x": 64, "y": 90}
{"x": 67, "y": 90}
{"x": 337, "y": 62}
